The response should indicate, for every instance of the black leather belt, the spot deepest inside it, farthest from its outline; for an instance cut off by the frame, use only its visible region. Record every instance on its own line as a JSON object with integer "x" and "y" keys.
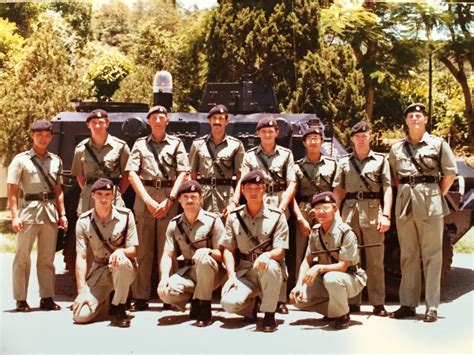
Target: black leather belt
{"x": 185, "y": 262}
{"x": 91, "y": 180}
{"x": 101, "y": 261}
{"x": 249, "y": 257}
{"x": 422, "y": 179}
{"x": 158, "y": 183}
{"x": 43, "y": 196}
{"x": 363, "y": 195}
{"x": 271, "y": 188}
{"x": 216, "y": 182}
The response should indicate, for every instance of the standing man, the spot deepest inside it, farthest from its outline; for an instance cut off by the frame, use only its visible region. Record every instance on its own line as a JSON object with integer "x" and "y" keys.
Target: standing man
{"x": 37, "y": 174}
{"x": 199, "y": 236}
{"x": 424, "y": 169}
{"x": 314, "y": 174}
{"x": 277, "y": 165}
{"x": 363, "y": 181}
{"x": 324, "y": 286}
{"x": 215, "y": 159}
{"x": 157, "y": 166}
{"x": 111, "y": 233}
{"x": 100, "y": 156}
{"x": 258, "y": 237}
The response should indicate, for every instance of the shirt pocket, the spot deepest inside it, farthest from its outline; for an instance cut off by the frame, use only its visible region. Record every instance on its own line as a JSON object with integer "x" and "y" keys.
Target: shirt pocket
{"x": 32, "y": 175}
{"x": 434, "y": 200}
{"x": 117, "y": 239}
{"x": 348, "y": 210}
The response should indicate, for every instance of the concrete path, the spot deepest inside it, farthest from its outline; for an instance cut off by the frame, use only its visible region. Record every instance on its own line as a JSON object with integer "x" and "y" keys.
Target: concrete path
{"x": 157, "y": 331}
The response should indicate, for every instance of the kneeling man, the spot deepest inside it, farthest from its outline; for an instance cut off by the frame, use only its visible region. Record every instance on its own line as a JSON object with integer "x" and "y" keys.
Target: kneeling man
{"x": 199, "y": 236}
{"x": 325, "y": 286}
{"x": 112, "y": 235}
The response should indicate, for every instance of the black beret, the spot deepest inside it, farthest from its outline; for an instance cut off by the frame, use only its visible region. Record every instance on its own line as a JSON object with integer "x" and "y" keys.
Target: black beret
{"x": 416, "y": 107}
{"x": 157, "y": 109}
{"x": 189, "y": 186}
{"x": 253, "y": 177}
{"x": 99, "y": 113}
{"x": 102, "y": 184}
{"x": 359, "y": 127}
{"x": 312, "y": 130}
{"x": 323, "y": 197}
{"x": 41, "y": 125}
{"x": 267, "y": 122}
{"x": 220, "y": 109}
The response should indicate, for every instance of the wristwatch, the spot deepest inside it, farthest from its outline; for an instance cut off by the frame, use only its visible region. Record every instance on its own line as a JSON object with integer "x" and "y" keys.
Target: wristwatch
{"x": 386, "y": 215}
{"x": 172, "y": 198}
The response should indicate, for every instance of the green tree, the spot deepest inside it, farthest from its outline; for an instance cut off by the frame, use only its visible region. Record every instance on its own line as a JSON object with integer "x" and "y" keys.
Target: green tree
{"x": 43, "y": 83}
{"x": 10, "y": 42}
{"x": 78, "y": 15}
{"x": 23, "y": 14}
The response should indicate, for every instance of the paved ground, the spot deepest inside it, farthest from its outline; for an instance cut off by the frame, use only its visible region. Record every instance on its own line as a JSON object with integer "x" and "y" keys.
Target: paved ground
{"x": 157, "y": 331}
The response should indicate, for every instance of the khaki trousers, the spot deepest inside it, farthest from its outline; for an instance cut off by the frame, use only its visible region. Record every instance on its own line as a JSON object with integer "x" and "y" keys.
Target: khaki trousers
{"x": 102, "y": 281}
{"x": 46, "y": 234}
{"x": 328, "y": 295}
{"x": 196, "y": 281}
{"x": 420, "y": 239}
{"x": 266, "y": 284}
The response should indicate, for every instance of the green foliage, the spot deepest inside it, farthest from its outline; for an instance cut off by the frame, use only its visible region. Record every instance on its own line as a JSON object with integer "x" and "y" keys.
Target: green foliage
{"x": 77, "y": 15}
{"x": 107, "y": 73}
{"x": 10, "y": 42}
{"x": 43, "y": 83}
{"x": 137, "y": 86}
{"x": 23, "y": 14}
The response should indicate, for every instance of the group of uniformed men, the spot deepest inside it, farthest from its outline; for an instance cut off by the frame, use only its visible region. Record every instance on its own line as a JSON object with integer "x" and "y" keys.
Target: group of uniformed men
{"x": 233, "y": 231}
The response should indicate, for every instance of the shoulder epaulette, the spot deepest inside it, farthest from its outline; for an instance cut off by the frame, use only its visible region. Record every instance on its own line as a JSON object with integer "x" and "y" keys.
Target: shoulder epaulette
{"x": 175, "y": 218}
{"x": 210, "y": 214}
{"x": 86, "y": 214}
{"x": 141, "y": 139}
{"x": 329, "y": 158}
{"x": 234, "y": 139}
{"x": 202, "y": 137}
{"x": 344, "y": 227}
{"x": 299, "y": 161}
{"x": 284, "y": 148}
{"x": 252, "y": 149}
{"x": 122, "y": 209}
{"x": 238, "y": 209}
{"x": 84, "y": 141}
{"x": 119, "y": 140}
{"x": 275, "y": 209}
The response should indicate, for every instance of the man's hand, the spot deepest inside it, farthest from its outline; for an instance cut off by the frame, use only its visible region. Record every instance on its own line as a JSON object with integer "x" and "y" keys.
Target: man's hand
{"x": 262, "y": 261}
{"x": 163, "y": 208}
{"x": 312, "y": 274}
{"x": 152, "y": 206}
{"x": 384, "y": 224}
{"x": 296, "y": 294}
{"x": 231, "y": 283}
{"x": 63, "y": 223}
{"x": 201, "y": 253}
{"x": 17, "y": 224}
{"x": 304, "y": 226}
{"x": 118, "y": 257}
{"x": 81, "y": 300}
{"x": 163, "y": 288}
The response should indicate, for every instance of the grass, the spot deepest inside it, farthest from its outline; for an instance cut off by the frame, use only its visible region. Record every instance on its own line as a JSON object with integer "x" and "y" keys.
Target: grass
{"x": 7, "y": 236}
{"x": 466, "y": 244}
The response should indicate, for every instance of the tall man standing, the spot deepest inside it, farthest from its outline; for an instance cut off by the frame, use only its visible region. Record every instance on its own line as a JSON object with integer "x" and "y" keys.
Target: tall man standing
{"x": 37, "y": 174}
{"x": 157, "y": 166}
{"x": 425, "y": 168}
{"x": 199, "y": 236}
{"x": 363, "y": 179}
{"x": 215, "y": 159}
{"x": 259, "y": 233}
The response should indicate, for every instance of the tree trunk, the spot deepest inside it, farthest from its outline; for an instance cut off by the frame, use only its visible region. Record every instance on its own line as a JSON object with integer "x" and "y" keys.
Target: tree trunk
{"x": 369, "y": 100}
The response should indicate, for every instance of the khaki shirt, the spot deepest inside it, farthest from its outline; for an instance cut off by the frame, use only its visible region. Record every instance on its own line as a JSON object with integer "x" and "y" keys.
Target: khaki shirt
{"x": 261, "y": 226}
{"x": 321, "y": 176}
{"x": 280, "y": 162}
{"x": 376, "y": 170}
{"x": 173, "y": 159}
{"x": 229, "y": 155}
{"x": 196, "y": 234}
{"x": 422, "y": 200}
{"x": 25, "y": 174}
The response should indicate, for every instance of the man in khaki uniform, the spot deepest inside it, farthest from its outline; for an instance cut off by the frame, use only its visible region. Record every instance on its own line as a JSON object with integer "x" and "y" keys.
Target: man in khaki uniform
{"x": 277, "y": 165}
{"x": 215, "y": 159}
{"x": 37, "y": 175}
{"x": 199, "y": 236}
{"x": 258, "y": 234}
{"x": 100, "y": 156}
{"x": 111, "y": 233}
{"x": 314, "y": 174}
{"x": 424, "y": 169}
{"x": 157, "y": 166}
{"x": 324, "y": 286}
{"x": 363, "y": 179}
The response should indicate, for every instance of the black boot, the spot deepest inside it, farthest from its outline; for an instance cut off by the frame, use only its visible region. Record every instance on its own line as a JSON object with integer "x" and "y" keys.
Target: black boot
{"x": 269, "y": 323}
{"x": 205, "y": 314}
{"x": 121, "y": 318}
{"x": 195, "y": 309}
{"x": 139, "y": 305}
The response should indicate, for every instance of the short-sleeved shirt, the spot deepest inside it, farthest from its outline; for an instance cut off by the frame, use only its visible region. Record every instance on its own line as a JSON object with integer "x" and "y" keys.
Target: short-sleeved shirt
{"x": 280, "y": 163}
{"x": 436, "y": 158}
{"x": 25, "y": 174}
{"x": 269, "y": 222}
{"x": 118, "y": 231}
{"x": 207, "y": 231}
{"x": 173, "y": 160}
{"x": 314, "y": 178}
{"x": 228, "y": 156}
{"x": 376, "y": 170}
{"x": 339, "y": 235}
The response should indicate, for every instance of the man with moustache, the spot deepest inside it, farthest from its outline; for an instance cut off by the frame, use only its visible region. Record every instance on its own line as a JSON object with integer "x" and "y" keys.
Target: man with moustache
{"x": 157, "y": 166}
{"x": 424, "y": 169}
{"x": 215, "y": 159}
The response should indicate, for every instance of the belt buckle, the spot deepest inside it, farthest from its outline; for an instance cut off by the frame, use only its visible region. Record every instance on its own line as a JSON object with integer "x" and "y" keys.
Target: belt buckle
{"x": 271, "y": 188}
{"x": 253, "y": 257}
{"x": 157, "y": 184}
{"x": 213, "y": 182}
{"x": 411, "y": 180}
{"x": 360, "y": 195}
{"x": 44, "y": 196}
